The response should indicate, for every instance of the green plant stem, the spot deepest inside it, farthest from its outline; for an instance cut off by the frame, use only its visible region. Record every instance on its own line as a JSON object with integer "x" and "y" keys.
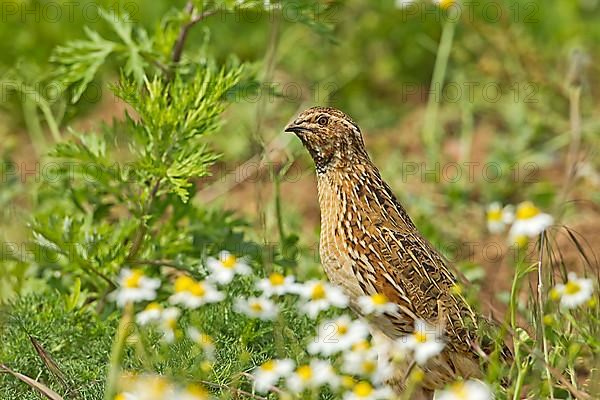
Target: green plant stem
{"x": 114, "y": 368}
{"x": 430, "y": 139}
{"x": 540, "y": 298}
{"x": 278, "y": 327}
{"x": 52, "y": 124}
{"x": 185, "y": 29}
{"x": 513, "y": 298}
{"x": 572, "y": 373}
{"x": 520, "y": 381}
{"x": 278, "y": 211}
{"x": 411, "y": 384}
{"x": 257, "y": 139}
{"x": 143, "y": 228}
{"x": 34, "y": 127}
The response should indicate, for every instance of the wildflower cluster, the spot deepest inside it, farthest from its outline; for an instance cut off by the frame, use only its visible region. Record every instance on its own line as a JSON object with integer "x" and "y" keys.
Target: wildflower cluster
{"x": 575, "y": 292}
{"x": 148, "y": 387}
{"x": 526, "y": 221}
{"x": 341, "y": 358}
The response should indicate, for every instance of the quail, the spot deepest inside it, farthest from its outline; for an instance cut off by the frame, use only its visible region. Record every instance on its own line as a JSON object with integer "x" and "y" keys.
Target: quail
{"x": 369, "y": 245}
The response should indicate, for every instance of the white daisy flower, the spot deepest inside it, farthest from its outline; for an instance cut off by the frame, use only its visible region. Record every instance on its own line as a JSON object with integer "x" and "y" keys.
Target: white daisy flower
{"x": 465, "y": 390}
{"x": 338, "y": 335}
{"x": 164, "y": 318}
{"x": 363, "y": 390}
{"x": 269, "y": 373}
{"x": 226, "y": 267}
{"x": 320, "y": 296}
{"x": 573, "y": 293}
{"x": 147, "y": 387}
{"x": 425, "y": 342}
{"x": 364, "y": 360}
{"x": 498, "y": 217}
{"x": 508, "y": 214}
{"x": 126, "y": 396}
{"x": 168, "y": 323}
{"x": 134, "y": 286}
{"x": 193, "y": 294}
{"x": 257, "y": 307}
{"x": 150, "y": 314}
{"x": 193, "y": 392}
{"x": 376, "y": 304}
{"x": 277, "y": 284}
{"x": 203, "y": 340}
{"x": 313, "y": 375}
{"x": 529, "y": 222}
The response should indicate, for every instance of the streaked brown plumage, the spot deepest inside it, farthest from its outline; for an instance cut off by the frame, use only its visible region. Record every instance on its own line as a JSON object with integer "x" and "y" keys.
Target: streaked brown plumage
{"x": 370, "y": 245}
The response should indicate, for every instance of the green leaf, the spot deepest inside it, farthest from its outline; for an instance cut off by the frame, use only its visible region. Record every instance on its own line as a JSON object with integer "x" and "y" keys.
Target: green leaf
{"x": 123, "y": 27}
{"x": 73, "y": 298}
{"x": 79, "y": 61}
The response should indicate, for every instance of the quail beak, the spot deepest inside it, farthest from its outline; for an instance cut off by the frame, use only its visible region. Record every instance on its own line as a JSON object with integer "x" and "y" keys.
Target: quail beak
{"x": 297, "y": 129}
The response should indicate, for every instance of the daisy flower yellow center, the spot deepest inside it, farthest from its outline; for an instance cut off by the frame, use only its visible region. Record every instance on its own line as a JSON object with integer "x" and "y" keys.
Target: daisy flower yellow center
{"x": 342, "y": 329}
{"x": 446, "y": 3}
{"x": 318, "y": 292}
{"x": 159, "y": 385}
{"x": 206, "y": 366}
{"x": 229, "y": 261}
{"x": 198, "y": 290}
{"x": 120, "y": 396}
{"x": 521, "y": 240}
{"x": 527, "y": 210}
{"x": 133, "y": 280}
{"x": 572, "y": 288}
{"x": 153, "y": 306}
{"x": 347, "y": 381}
{"x": 363, "y": 389}
{"x": 171, "y": 323}
{"x": 268, "y": 366}
{"x": 420, "y": 337}
{"x": 554, "y": 294}
{"x": 305, "y": 372}
{"x": 198, "y": 391}
{"x": 256, "y": 307}
{"x": 417, "y": 375}
{"x": 458, "y": 389}
{"x": 361, "y": 346}
{"x": 368, "y": 367}
{"x": 276, "y": 279}
{"x": 204, "y": 339}
{"x": 495, "y": 214}
{"x": 184, "y": 284}
{"x": 379, "y": 299}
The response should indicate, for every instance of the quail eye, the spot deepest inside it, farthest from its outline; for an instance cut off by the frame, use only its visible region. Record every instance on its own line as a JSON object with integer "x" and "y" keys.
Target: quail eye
{"x": 323, "y": 121}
